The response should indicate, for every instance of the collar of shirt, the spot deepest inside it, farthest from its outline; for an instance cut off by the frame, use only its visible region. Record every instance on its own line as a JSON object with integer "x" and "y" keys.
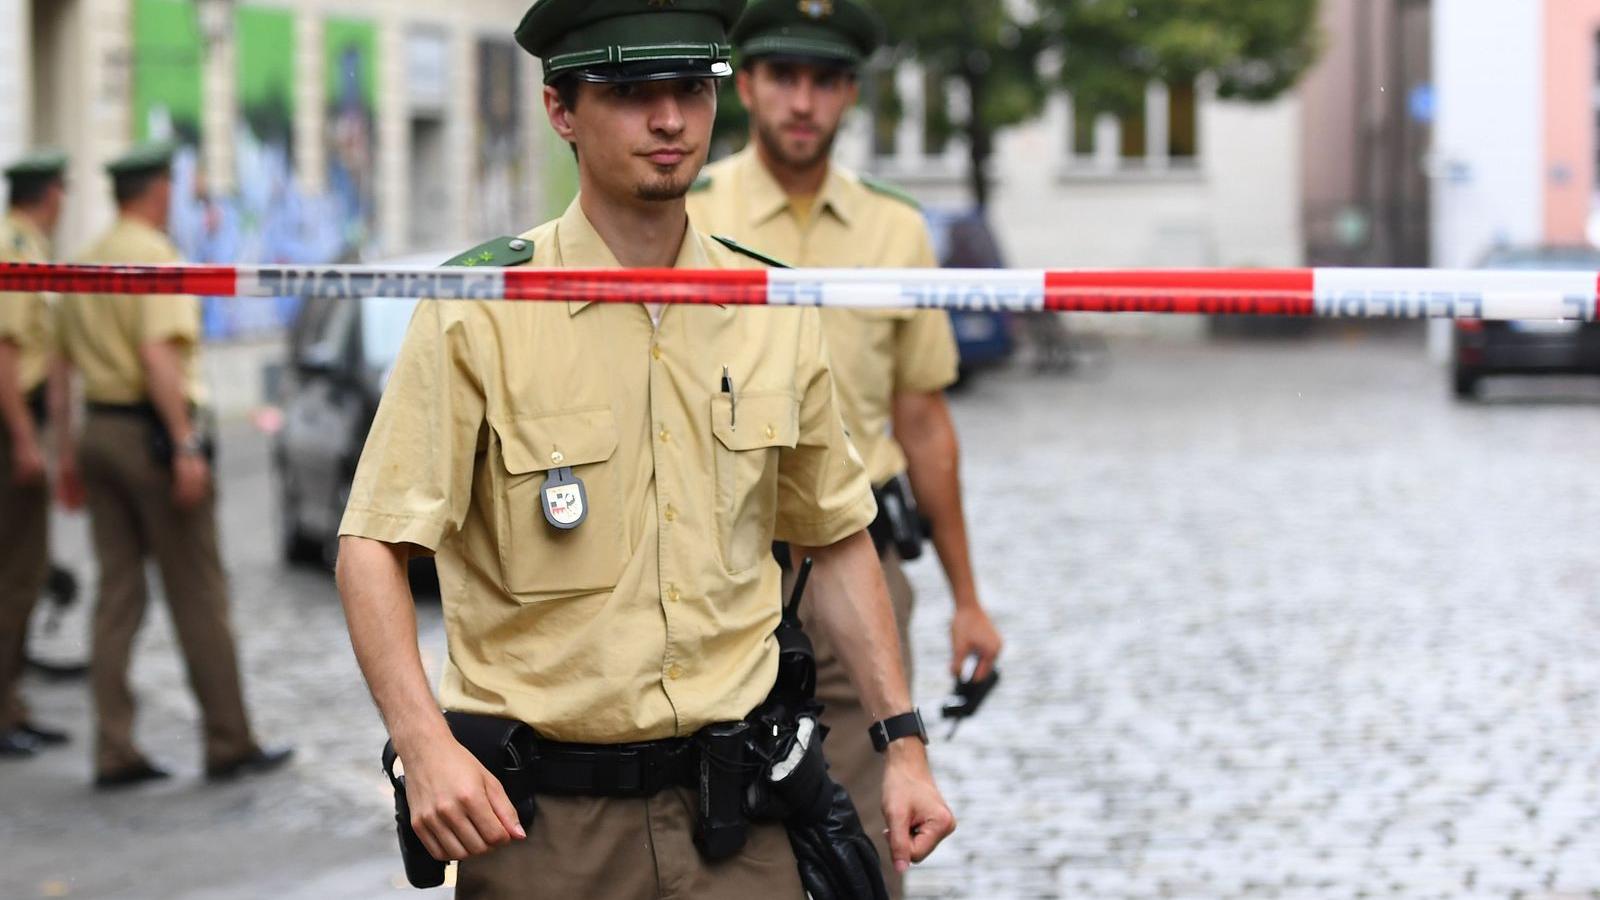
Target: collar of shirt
{"x": 765, "y": 198}
{"x": 579, "y": 246}
{"x": 128, "y": 226}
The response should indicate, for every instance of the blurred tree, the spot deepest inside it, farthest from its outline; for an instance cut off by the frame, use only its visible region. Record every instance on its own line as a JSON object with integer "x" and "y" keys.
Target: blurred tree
{"x": 991, "y": 49}
{"x": 1113, "y": 48}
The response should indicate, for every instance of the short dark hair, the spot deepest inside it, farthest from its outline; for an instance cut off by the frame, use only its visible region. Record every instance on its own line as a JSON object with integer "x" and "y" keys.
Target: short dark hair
{"x": 567, "y": 89}
{"x": 27, "y": 190}
{"x": 130, "y": 186}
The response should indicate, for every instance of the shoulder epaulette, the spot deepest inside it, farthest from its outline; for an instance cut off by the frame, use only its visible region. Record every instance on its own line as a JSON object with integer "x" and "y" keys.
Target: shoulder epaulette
{"x": 503, "y": 251}
{"x": 703, "y": 183}
{"x": 889, "y": 190}
{"x": 739, "y": 248}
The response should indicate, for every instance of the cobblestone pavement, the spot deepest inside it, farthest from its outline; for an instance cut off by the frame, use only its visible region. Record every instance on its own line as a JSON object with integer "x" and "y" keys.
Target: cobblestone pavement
{"x": 1283, "y": 622}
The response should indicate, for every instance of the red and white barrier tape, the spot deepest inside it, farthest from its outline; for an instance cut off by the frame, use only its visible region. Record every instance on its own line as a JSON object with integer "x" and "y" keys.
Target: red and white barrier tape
{"x": 1325, "y": 293}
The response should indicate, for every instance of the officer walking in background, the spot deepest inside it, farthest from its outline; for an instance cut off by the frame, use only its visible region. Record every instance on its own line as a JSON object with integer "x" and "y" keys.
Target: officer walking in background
{"x": 783, "y": 195}
{"x": 32, "y": 380}
{"x": 600, "y": 484}
{"x": 146, "y": 464}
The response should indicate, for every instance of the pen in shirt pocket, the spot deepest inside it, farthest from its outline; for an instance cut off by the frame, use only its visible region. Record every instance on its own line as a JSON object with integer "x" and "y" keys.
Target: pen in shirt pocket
{"x": 733, "y": 399}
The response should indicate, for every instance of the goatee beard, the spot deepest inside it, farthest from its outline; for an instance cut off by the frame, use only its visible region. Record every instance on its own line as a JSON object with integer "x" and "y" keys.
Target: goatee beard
{"x": 662, "y": 191}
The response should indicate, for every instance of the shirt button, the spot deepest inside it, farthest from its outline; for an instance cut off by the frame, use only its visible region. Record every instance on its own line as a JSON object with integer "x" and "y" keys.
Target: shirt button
{"x": 557, "y": 457}
{"x": 671, "y": 514}
{"x": 771, "y": 432}
{"x": 665, "y": 436}
{"x": 674, "y": 672}
{"x": 655, "y": 351}
{"x": 673, "y": 595}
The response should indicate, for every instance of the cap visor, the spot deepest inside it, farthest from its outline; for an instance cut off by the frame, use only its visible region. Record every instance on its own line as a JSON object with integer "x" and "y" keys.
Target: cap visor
{"x": 656, "y": 70}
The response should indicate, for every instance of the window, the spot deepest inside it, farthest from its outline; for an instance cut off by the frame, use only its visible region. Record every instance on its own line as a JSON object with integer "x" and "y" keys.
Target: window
{"x": 1134, "y": 145}
{"x": 1182, "y": 131}
{"x": 1082, "y": 130}
{"x": 884, "y": 102}
{"x": 936, "y": 113}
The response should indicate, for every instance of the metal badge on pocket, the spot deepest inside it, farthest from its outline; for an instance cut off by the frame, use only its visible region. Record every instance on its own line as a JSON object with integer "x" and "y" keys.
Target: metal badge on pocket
{"x": 566, "y": 503}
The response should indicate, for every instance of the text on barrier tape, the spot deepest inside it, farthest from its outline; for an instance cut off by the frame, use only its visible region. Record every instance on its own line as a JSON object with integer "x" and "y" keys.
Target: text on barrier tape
{"x": 1325, "y": 293}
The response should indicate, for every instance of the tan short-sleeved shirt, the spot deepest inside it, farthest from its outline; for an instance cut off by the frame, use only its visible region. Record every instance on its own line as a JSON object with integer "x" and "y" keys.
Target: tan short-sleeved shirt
{"x": 654, "y": 617}
{"x": 28, "y": 319}
{"x": 875, "y": 353}
{"x": 102, "y": 333}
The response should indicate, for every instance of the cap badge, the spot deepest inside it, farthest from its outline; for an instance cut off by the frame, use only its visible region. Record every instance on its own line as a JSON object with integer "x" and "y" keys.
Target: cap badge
{"x": 816, "y": 9}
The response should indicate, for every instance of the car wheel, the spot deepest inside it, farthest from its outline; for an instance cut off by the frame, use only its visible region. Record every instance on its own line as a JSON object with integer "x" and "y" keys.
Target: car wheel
{"x": 1465, "y": 384}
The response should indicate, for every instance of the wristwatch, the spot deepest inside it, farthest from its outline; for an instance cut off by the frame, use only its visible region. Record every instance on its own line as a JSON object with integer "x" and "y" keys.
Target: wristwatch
{"x": 896, "y": 727}
{"x": 193, "y": 445}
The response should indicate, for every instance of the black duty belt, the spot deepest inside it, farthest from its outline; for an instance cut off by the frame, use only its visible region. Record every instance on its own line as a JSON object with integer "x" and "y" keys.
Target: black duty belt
{"x": 614, "y": 770}
{"x": 145, "y": 410}
{"x": 529, "y": 763}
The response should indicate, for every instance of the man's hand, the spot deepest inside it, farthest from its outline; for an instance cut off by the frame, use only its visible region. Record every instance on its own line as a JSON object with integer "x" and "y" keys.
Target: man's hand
{"x": 972, "y": 634}
{"x": 27, "y": 463}
{"x": 191, "y": 479}
{"x": 458, "y": 809}
{"x": 917, "y": 815}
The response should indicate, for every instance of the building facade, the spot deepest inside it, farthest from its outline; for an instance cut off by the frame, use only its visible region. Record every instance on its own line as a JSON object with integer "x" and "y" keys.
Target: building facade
{"x": 313, "y": 130}
{"x": 1192, "y": 181}
{"x": 1369, "y": 107}
{"x": 1516, "y": 158}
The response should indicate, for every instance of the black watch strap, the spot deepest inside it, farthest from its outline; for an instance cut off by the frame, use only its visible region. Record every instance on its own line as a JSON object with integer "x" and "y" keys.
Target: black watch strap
{"x": 896, "y": 727}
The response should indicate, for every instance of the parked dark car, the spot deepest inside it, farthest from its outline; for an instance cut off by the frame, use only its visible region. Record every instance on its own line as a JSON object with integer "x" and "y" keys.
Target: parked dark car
{"x": 1483, "y": 349}
{"x": 340, "y": 354}
{"x": 964, "y": 241}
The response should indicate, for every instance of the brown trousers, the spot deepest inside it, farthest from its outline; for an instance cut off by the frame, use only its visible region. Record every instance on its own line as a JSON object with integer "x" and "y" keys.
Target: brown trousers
{"x": 628, "y": 849}
{"x": 132, "y": 517}
{"x": 851, "y": 758}
{"x": 24, "y": 565}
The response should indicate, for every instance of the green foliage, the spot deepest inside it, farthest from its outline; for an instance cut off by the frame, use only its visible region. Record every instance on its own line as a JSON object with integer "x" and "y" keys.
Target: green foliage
{"x": 1112, "y": 48}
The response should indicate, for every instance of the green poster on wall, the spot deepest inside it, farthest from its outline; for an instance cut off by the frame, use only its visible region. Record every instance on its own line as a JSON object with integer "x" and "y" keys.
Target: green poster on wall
{"x": 167, "y": 56}
{"x": 350, "y": 64}
{"x": 264, "y": 72}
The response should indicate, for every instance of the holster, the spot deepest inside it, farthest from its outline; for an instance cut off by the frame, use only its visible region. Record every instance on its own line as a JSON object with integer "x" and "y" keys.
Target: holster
{"x": 499, "y": 744}
{"x": 37, "y": 408}
{"x": 899, "y": 524}
{"x": 837, "y": 860}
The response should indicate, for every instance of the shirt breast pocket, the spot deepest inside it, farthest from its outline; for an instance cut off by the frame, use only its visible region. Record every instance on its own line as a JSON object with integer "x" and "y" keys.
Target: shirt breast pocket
{"x": 538, "y": 560}
{"x": 751, "y": 430}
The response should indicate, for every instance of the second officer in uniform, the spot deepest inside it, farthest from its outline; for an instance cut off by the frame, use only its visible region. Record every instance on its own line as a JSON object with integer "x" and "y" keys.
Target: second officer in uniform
{"x": 146, "y": 468}
{"x": 784, "y": 196}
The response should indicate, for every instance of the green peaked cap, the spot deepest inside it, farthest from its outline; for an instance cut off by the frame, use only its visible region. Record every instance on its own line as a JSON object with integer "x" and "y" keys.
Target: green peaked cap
{"x": 44, "y": 163}
{"x": 835, "y": 31}
{"x": 630, "y": 40}
{"x": 143, "y": 157}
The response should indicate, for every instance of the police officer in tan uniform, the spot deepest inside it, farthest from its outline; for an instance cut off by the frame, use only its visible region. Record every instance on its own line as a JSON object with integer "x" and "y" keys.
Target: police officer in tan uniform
{"x": 599, "y": 484}
{"x": 783, "y": 195}
{"x": 29, "y": 358}
{"x": 147, "y": 473}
